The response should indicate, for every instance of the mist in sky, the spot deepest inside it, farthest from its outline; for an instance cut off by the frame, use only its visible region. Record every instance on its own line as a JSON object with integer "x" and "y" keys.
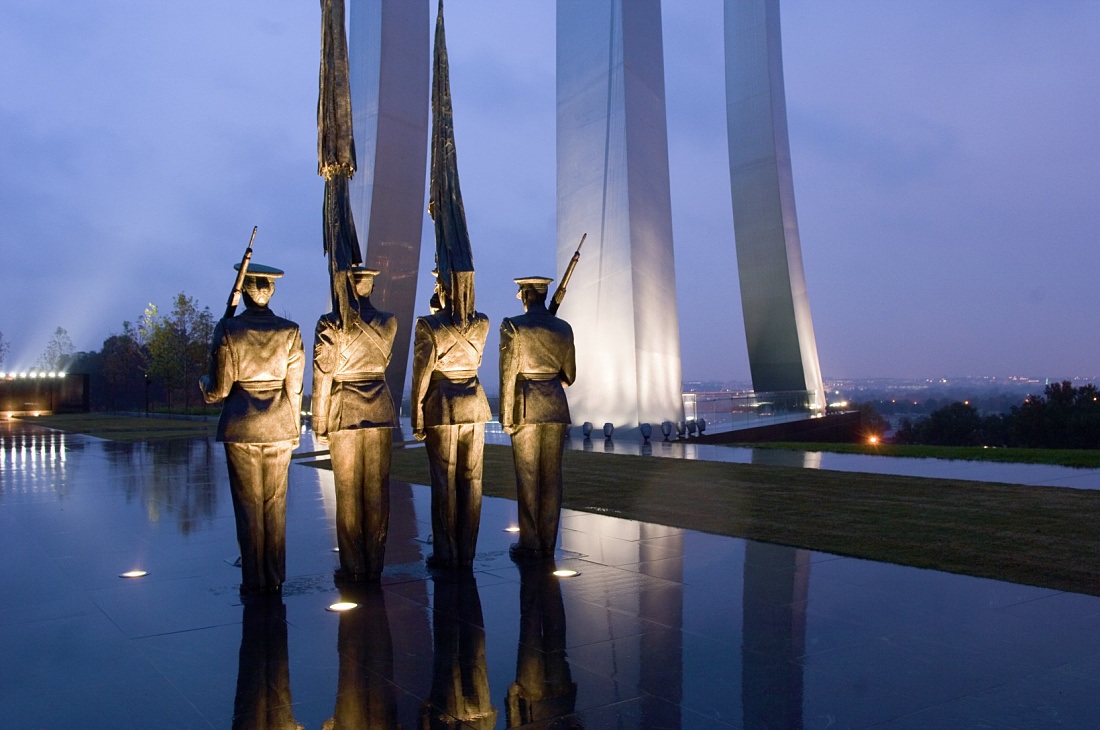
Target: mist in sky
{"x": 946, "y": 171}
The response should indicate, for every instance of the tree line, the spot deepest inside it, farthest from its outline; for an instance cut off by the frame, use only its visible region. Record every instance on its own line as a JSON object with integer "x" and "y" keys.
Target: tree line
{"x": 155, "y": 363}
{"x": 1063, "y": 417}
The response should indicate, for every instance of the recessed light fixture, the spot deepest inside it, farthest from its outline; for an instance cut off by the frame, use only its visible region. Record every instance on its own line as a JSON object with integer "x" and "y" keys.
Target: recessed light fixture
{"x": 342, "y": 606}
{"x": 565, "y": 573}
{"x": 511, "y": 529}
{"x": 133, "y": 574}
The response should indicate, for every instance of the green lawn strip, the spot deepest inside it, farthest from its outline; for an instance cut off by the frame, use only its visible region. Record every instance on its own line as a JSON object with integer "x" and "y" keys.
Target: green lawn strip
{"x": 1043, "y": 536}
{"x": 1082, "y": 458}
{"x": 125, "y": 428}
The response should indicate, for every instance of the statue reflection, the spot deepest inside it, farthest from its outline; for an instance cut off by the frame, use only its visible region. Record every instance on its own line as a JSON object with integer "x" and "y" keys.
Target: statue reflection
{"x": 544, "y": 688}
{"x": 263, "y": 674}
{"x": 460, "y": 679}
{"x": 366, "y": 696}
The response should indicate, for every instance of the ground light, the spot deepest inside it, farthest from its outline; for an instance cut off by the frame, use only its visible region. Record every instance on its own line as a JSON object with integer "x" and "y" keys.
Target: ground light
{"x": 342, "y": 606}
{"x": 563, "y": 573}
{"x": 133, "y": 574}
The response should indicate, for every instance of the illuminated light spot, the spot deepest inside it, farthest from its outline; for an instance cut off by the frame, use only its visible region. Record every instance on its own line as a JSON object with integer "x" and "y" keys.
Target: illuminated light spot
{"x": 565, "y": 573}
{"x": 873, "y": 440}
{"x": 511, "y": 529}
{"x": 133, "y": 574}
{"x": 342, "y": 606}
{"x": 336, "y": 550}
{"x": 52, "y": 374}
{"x": 22, "y": 375}
{"x": 61, "y": 375}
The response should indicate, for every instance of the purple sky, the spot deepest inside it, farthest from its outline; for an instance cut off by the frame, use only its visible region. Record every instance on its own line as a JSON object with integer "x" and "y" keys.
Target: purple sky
{"x": 946, "y": 167}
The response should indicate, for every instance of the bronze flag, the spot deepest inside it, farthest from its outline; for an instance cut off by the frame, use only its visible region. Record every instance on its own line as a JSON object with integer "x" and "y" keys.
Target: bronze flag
{"x": 336, "y": 153}
{"x": 454, "y": 258}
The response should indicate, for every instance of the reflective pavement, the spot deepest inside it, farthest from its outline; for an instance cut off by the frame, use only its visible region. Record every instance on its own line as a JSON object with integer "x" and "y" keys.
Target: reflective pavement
{"x": 660, "y": 628}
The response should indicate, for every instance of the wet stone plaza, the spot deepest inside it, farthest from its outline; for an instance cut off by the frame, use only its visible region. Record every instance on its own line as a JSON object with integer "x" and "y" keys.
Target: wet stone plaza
{"x": 658, "y": 628}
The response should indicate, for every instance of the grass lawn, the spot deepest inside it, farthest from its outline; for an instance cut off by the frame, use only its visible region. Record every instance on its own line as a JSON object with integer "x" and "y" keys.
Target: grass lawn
{"x": 1083, "y": 458}
{"x": 126, "y": 428}
{"x": 1043, "y": 536}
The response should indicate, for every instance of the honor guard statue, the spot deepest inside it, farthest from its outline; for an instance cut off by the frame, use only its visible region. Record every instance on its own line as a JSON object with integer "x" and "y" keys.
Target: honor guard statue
{"x": 449, "y": 412}
{"x": 353, "y": 414}
{"x": 537, "y": 361}
{"x": 256, "y": 367}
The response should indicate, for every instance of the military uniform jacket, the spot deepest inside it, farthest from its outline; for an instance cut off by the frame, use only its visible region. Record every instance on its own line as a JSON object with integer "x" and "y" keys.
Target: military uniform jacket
{"x": 537, "y": 359}
{"x": 256, "y": 365}
{"x": 349, "y": 372}
{"x": 445, "y": 388}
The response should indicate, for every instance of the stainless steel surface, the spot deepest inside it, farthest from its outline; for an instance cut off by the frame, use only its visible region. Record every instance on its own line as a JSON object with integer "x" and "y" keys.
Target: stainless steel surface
{"x": 778, "y": 327}
{"x": 389, "y": 58}
{"x": 613, "y": 183}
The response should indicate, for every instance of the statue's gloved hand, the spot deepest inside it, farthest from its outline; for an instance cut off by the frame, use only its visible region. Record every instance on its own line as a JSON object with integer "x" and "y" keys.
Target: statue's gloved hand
{"x": 510, "y": 429}
{"x": 204, "y": 383}
{"x": 420, "y": 435}
{"x": 295, "y": 444}
{"x": 321, "y": 439}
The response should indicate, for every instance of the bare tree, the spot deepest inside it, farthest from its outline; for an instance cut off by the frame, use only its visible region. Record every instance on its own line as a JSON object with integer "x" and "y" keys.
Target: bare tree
{"x": 58, "y": 352}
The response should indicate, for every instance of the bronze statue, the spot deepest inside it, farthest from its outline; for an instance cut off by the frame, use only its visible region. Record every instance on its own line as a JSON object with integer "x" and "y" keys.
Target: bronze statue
{"x": 537, "y": 361}
{"x": 353, "y": 410}
{"x": 256, "y": 366}
{"x": 449, "y": 411}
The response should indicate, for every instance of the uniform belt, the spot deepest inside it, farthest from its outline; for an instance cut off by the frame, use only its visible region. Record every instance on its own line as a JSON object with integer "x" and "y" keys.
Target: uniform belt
{"x": 453, "y": 374}
{"x": 538, "y": 376}
{"x": 358, "y": 377}
{"x": 260, "y": 384}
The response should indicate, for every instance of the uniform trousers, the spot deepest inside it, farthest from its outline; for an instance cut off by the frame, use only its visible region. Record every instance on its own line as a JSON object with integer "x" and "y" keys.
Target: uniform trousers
{"x": 455, "y": 457}
{"x": 361, "y": 470}
{"x": 257, "y": 481}
{"x": 536, "y": 451}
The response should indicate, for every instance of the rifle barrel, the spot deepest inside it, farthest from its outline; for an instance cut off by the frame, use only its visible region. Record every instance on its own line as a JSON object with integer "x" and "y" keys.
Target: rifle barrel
{"x": 235, "y": 293}
{"x": 559, "y": 293}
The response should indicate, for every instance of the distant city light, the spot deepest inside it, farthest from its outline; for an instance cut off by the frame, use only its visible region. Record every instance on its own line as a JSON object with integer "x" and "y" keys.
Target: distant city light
{"x": 342, "y": 606}
{"x": 133, "y": 574}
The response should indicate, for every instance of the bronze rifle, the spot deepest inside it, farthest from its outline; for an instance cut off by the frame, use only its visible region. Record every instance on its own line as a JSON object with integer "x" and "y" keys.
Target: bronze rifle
{"x": 235, "y": 295}
{"x": 559, "y": 293}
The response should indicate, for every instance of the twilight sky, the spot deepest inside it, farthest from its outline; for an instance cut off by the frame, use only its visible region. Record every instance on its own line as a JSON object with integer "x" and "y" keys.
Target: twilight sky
{"x": 946, "y": 168}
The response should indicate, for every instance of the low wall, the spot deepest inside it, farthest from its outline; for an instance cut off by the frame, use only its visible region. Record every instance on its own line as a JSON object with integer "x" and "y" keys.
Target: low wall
{"x": 834, "y": 428}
